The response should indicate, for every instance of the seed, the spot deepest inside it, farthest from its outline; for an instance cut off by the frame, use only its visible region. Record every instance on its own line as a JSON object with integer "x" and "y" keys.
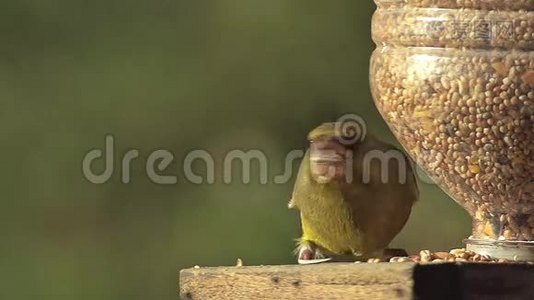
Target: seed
{"x": 425, "y": 255}
{"x": 474, "y": 108}
{"x": 528, "y": 78}
{"x": 441, "y": 255}
{"x": 475, "y": 169}
{"x": 457, "y": 252}
{"x": 507, "y": 234}
{"x": 500, "y": 68}
{"x": 394, "y": 259}
{"x": 415, "y": 258}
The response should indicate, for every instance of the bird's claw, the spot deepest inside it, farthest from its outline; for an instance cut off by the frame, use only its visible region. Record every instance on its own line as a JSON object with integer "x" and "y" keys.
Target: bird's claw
{"x": 309, "y": 254}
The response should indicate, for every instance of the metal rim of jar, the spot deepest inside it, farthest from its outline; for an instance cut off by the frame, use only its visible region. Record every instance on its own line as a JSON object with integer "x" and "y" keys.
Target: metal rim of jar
{"x": 510, "y": 250}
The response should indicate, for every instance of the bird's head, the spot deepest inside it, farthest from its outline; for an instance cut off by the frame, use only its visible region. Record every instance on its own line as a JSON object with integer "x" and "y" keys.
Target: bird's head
{"x": 328, "y": 155}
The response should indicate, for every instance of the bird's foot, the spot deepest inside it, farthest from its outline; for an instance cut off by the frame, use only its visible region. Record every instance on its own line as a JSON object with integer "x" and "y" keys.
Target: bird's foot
{"x": 308, "y": 253}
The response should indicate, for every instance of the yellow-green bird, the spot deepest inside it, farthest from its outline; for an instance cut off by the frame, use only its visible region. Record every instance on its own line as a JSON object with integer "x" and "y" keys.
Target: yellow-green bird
{"x": 354, "y": 197}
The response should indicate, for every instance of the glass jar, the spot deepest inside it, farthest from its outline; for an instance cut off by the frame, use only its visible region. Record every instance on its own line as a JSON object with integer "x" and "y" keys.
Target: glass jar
{"x": 454, "y": 80}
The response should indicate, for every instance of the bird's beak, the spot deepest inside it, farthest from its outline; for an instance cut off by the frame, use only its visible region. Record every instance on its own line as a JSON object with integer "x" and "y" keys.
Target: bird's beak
{"x": 326, "y": 157}
{"x": 327, "y": 151}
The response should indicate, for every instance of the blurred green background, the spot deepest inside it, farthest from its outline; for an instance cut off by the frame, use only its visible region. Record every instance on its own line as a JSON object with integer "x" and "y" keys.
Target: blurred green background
{"x": 179, "y": 75}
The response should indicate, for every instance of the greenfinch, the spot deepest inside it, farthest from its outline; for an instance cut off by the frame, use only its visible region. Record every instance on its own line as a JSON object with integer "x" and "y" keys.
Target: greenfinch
{"x": 353, "y": 197}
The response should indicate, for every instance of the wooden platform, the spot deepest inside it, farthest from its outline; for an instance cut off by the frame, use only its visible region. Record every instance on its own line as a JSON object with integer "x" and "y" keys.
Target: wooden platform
{"x": 360, "y": 281}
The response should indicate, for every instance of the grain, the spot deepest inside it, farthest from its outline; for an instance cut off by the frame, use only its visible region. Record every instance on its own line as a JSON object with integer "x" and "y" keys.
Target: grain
{"x": 478, "y": 144}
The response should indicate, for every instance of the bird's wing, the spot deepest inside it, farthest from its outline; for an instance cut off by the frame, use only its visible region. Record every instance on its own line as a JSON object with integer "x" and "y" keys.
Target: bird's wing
{"x": 379, "y": 209}
{"x": 301, "y": 182}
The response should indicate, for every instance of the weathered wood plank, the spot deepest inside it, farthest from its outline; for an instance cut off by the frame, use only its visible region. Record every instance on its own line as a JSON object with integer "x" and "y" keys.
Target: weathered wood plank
{"x": 361, "y": 281}
{"x": 325, "y": 281}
